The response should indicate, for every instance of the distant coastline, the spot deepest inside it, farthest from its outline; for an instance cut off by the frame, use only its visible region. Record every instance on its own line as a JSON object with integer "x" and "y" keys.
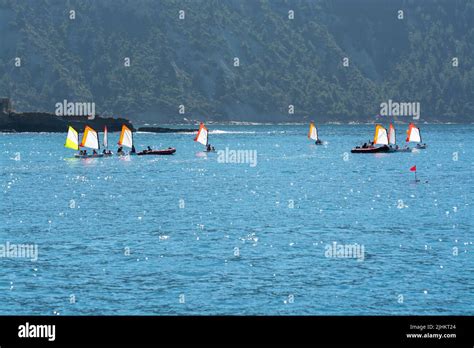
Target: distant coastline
{"x": 42, "y": 122}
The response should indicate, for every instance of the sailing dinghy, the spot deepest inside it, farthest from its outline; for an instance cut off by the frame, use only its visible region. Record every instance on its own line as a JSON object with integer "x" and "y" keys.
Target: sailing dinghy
{"x": 126, "y": 139}
{"x": 90, "y": 140}
{"x": 105, "y": 143}
{"x": 393, "y": 142}
{"x": 414, "y": 136}
{"x": 313, "y": 134}
{"x": 203, "y": 138}
{"x": 380, "y": 138}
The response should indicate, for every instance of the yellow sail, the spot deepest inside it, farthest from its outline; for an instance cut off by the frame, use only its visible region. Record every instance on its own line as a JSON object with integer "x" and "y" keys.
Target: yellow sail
{"x": 72, "y": 140}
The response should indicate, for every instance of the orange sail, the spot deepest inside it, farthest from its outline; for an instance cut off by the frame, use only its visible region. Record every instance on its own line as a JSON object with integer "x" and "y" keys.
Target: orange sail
{"x": 90, "y": 139}
{"x": 413, "y": 134}
{"x": 313, "y": 132}
{"x": 391, "y": 135}
{"x": 380, "y": 136}
{"x": 126, "y": 137}
{"x": 201, "y": 136}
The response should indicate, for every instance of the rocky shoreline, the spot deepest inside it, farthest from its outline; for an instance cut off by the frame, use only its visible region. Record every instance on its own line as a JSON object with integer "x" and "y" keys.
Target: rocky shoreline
{"x": 45, "y": 122}
{"x": 37, "y": 122}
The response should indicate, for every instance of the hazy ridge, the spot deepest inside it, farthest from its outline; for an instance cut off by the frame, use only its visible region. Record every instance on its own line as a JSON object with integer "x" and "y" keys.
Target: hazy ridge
{"x": 282, "y": 61}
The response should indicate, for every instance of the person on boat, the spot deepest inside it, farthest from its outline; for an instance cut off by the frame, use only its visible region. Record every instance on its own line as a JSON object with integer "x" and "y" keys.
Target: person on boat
{"x": 85, "y": 153}
{"x": 147, "y": 150}
{"x": 104, "y": 152}
{"x": 94, "y": 152}
{"x": 364, "y": 146}
{"x": 133, "y": 149}
{"x": 120, "y": 151}
{"x": 319, "y": 142}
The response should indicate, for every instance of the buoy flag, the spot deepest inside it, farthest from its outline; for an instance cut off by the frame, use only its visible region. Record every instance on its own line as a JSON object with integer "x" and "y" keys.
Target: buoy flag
{"x": 413, "y": 169}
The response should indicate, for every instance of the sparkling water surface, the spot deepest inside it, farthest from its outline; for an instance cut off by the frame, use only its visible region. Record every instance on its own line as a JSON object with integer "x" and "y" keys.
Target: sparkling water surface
{"x": 206, "y": 237}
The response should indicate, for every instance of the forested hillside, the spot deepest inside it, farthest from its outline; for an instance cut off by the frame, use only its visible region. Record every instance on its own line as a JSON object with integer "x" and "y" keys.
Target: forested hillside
{"x": 282, "y": 61}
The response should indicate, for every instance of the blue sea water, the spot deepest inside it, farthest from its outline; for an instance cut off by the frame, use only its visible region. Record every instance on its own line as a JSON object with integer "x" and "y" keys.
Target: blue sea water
{"x": 187, "y": 234}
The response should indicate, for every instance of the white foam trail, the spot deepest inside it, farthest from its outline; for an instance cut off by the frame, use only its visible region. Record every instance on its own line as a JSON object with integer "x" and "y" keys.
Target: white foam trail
{"x": 219, "y": 131}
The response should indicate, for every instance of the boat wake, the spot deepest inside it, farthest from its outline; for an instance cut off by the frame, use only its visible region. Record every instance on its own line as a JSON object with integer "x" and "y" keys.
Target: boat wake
{"x": 219, "y": 131}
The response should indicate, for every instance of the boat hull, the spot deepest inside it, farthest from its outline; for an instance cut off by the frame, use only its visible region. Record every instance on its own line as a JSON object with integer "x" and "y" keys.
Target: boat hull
{"x": 370, "y": 149}
{"x": 165, "y": 152}
{"x": 90, "y": 156}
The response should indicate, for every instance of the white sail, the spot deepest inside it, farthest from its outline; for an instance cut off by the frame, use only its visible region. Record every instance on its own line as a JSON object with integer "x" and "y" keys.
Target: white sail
{"x": 90, "y": 139}
{"x": 126, "y": 138}
{"x": 380, "y": 135}
{"x": 201, "y": 137}
{"x": 391, "y": 137}
{"x": 414, "y": 134}
{"x": 313, "y": 132}
{"x": 72, "y": 139}
{"x": 106, "y": 140}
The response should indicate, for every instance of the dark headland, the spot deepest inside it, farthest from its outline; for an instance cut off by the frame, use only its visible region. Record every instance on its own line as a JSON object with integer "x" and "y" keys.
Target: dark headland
{"x": 13, "y": 122}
